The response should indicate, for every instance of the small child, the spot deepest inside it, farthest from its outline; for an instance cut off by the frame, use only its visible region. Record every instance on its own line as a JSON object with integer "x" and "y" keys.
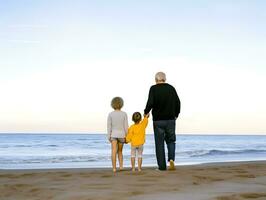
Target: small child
{"x": 136, "y": 135}
{"x": 117, "y": 126}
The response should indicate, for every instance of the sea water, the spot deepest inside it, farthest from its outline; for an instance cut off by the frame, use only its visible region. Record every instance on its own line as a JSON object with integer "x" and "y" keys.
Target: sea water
{"x": 38, "y": 151}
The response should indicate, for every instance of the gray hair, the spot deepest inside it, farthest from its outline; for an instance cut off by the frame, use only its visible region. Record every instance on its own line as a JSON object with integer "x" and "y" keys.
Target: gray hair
{"x": 160, "y": 76}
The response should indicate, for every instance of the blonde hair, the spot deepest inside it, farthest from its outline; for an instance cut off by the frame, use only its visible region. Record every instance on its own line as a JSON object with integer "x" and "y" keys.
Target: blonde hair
{"x": 160, "y": 76}
{"x": 117, "y": 103}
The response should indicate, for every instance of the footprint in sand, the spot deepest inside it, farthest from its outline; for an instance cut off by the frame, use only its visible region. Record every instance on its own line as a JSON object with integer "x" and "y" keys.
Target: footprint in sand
{"x": 231, "y": 197}
{"x": 245, "y": 176}
{"x": 196, "y": 183}
{"x": 28, "y": 175}
{"x": 34, "y": 190}
{"x": 243, "y": 196}
{"x": 207, "y": 179}
{"x": 134, "y": 193}
{"x": 107, "y": 176}
{"x": 253, "y": 195}
{"x": 66, "y": 175}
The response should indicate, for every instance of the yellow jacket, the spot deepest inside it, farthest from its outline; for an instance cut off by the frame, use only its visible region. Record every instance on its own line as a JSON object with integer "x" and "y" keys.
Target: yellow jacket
{"x": 136, "y": 133}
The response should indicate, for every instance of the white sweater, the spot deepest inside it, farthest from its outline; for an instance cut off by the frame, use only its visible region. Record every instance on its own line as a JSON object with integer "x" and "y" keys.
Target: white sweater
{"x": 117, "y": 124}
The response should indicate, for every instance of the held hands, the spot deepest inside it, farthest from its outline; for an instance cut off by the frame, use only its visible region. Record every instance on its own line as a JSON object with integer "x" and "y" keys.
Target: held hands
{"x": 147, "y": 115}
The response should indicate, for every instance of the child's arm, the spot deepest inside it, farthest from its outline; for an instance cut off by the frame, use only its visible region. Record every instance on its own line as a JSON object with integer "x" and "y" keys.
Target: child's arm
{"x": 129, "y": 135}
{"x": 126, "y": 124}
{"x": 145, "y": 120}
{"x": 109, "y": 127}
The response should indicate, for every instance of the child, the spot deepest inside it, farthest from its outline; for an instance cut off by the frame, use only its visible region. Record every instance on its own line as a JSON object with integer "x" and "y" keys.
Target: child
{"x": 117, "y": 126}
{"x": 136, "y": 135}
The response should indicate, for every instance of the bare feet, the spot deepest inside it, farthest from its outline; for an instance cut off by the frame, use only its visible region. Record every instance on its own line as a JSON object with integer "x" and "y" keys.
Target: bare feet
{"x": 133, "y": 169}
{"x": 139, "y": 169}
{"x": 114, "y": 169}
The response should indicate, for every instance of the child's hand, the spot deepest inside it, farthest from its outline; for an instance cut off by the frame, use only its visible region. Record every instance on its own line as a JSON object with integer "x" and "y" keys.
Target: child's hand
{"x": 147, "y": 115}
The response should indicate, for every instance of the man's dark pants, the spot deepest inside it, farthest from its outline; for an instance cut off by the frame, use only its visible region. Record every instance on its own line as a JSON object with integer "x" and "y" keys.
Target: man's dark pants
{"x": 164, "y": 130}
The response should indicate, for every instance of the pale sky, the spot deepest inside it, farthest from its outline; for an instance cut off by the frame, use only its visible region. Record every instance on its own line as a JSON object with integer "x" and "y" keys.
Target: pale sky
{"x": 62, "y": 61}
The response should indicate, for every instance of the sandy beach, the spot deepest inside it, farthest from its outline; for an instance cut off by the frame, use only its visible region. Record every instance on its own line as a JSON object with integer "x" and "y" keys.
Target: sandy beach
{"x": 220, "y": 181}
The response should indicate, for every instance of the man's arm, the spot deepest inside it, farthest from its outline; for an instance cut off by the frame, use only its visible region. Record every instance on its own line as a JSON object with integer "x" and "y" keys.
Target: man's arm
{"x": 149, "y": 104}
{"x": 178, "y": 106}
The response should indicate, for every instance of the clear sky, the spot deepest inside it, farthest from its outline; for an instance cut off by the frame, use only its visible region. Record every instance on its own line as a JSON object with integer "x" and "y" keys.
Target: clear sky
{"x": 62, "y": 61}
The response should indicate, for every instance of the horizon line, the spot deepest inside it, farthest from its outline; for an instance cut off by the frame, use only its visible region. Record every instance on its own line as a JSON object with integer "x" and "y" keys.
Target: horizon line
{"x": 89, "y": 133}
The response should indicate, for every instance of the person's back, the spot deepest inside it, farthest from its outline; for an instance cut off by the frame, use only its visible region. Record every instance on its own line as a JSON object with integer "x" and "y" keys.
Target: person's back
{"x": 136, "y": 133}
{"x": 117, "y": 124}
{"x": 165, "y": 102}
{"x": 165, "y": 105}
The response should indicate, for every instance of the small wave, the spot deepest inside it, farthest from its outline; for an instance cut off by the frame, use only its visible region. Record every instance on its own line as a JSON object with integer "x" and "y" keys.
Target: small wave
{"x": 53, "y": 159}
{"x": 23, "y": 145}
{"x": 228, "y": 152}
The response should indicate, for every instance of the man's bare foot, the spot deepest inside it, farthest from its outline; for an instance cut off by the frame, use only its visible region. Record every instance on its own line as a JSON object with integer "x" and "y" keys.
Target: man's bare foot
{"x": 133, "y": 169}
{"x": 139, "y": 169}
{"x": 114, "y": 169}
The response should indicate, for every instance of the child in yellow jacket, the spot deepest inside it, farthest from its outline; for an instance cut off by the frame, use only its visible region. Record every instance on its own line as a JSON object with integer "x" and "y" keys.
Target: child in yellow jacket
{"x": 136, "y": 136}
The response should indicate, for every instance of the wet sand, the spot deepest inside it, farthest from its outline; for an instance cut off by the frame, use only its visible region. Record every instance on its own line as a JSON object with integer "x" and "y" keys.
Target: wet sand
{"x": 218, "y": 181}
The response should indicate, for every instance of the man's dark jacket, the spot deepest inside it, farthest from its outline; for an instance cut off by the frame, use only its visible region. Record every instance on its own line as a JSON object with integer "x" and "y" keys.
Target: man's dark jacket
{"x": 164, "y": 102}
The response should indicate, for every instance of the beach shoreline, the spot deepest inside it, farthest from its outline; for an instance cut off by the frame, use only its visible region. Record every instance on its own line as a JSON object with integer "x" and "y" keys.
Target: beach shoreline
{"x": 150, "y": 167}
{"x": 220, "y": 181}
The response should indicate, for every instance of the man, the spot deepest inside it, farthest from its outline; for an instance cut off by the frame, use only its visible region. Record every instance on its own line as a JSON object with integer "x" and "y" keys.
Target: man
{"x": 165, "y": 105}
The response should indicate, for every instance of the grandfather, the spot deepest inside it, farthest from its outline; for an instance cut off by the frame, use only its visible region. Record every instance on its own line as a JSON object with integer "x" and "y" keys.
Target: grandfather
{"x": 165, "y": 105}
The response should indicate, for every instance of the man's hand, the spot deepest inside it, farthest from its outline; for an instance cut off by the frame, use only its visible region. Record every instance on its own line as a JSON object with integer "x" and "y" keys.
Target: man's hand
{"x": 147, "y": 115}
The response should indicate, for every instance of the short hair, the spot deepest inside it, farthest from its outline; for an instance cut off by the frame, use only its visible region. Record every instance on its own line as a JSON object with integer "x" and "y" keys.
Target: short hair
{"x": 136, "y": 117}
{"x": 117, "y": 103}
{"x": 160, "y": 76}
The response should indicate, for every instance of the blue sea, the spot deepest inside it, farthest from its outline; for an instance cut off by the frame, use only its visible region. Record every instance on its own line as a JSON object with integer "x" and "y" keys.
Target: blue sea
{"x": 38, "y": 151}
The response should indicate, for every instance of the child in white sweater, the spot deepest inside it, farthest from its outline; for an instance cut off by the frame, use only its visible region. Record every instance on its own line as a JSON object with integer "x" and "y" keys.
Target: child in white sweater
{"x": 117, "y": 127}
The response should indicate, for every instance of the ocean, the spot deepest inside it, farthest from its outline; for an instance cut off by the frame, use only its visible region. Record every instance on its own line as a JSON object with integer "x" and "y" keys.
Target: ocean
{"x": 48, "y": 151}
